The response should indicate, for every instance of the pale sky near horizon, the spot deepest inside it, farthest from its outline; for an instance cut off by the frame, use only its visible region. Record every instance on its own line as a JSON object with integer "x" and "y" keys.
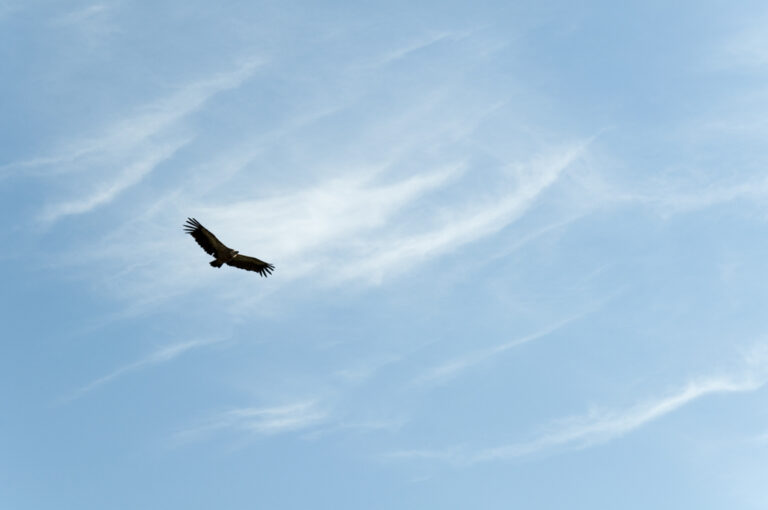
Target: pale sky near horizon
{"x": 520, "y": 255}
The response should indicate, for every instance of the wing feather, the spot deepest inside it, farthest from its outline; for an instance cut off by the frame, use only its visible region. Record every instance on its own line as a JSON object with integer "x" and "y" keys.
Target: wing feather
{"x": 252, "y": 264}
{"x": 205, "y": 238}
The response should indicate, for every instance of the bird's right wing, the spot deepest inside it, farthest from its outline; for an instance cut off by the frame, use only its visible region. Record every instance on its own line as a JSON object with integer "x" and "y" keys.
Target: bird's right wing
{"x": 251, "y": 264}
{"x": 205, "y": 238}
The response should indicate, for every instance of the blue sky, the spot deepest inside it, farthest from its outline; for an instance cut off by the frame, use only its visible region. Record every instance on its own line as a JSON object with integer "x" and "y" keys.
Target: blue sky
{"x": 519, "y": 246}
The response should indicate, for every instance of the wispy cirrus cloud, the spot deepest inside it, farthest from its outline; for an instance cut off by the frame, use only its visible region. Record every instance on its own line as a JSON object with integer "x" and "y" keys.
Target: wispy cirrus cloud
{"x": 130, "y": 176}
{"x": 93, "y": 24}
{"x": 322, "y": 222}
{"x": 150, "y": 121}
{"x": 419, "y": 44}
{"x": 356, "y": 227}
{"x": 411, "y": 185}
{"x": 744, "y": 48}
{"x": 310, "y": 418}
{"x": 272, "y": 420}
{"x": 602, "y": 425}
{"x": 326, "y": 217}
{"x": 670, "y": 195}
{"x": 760, "y": 439}
{"x": 84, "y": 15}
{"x": 163, "y": 355}
{"x": 677, "y": 201}
{"x": 452, "y": 368}
{"x": 128, "y": 149}
{"x": 9, "y": 8}
{"x": 399, "y": 254}
{"x": 365, "y": 426}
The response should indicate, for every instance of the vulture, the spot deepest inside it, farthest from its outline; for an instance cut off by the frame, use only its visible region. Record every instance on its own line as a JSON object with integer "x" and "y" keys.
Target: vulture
{"x": 223, "y": 253}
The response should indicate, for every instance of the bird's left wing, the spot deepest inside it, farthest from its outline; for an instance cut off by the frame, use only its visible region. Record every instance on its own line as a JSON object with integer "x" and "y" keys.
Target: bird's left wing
{"x": 205, "y": 238}
{"x": 252, "y": 264}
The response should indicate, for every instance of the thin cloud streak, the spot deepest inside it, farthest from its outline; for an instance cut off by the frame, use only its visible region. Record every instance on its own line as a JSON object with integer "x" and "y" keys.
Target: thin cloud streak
{"x": 424, "y": 42}
{"x": 744, "y": 49}
{"x": 162, "y": 355}
{"x": 454, "y": 367}
{"x": 153, "y": 121}
{"x": 670, "y": 197}
{"x": 673, "y": 201}
{"x": 596, "y": 427}
{"x": 131, "y": 176}
{"x": 385, "y": 426}
{"x": 468, "y": 227}
{"x": 137, "y": 145}
{"x": 601, "y": 427}
{"x": 82, "y": 15}
{"x": 260, "y": 420}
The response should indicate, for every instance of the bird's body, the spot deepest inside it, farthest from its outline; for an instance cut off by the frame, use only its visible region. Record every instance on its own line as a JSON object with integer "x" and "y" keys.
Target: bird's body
{"x": 224, "y": 258}
{"x": 222, "y": 253}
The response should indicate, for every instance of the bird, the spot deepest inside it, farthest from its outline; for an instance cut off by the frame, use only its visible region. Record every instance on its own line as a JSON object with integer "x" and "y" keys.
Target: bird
{"x": 224, "y": 254}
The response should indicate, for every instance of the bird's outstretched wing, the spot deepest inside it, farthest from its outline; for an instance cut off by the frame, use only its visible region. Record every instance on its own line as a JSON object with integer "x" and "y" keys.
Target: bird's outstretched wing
{"x": 205, "y": 238}
{"x": 252, "y": 264}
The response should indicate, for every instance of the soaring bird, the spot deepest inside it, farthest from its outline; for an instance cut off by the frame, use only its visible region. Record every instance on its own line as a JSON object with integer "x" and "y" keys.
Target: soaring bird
{"x": 223, "y": 253}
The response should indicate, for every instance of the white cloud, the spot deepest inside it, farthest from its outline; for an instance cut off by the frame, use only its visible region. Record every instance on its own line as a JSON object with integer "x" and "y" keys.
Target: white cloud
{"x": 82, "y": 14}
{"x": 358, "y": 227}
{"x": 300, "y": 231}
{"x": 309, "y": 417}
{"x": 419, "y": 44}
{"x": 128, "y": 149}
{"x": 669, "y": 195}
{"x": 401, "y": 253}
{"x": 153, "y": 120}
{"x": 321, "y": 218}
{"x": 398, "y": 202}
{"x": 273, "y": 420}
{"x": 162, "y": 355}
{"x": 601, "y": 426}
{"x": 363, "y": 371}
{"x": 746, "y": 48}
{"x": 454, "y": 367}
{"x": 260, "y": 420}
{"x": 8, "y": 8}
{"x": 130, "y": 176}
{"x": 365, "y": 426}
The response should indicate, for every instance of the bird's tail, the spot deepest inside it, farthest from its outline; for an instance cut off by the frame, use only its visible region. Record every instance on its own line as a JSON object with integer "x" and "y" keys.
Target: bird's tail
{"x": 217, "y": 263}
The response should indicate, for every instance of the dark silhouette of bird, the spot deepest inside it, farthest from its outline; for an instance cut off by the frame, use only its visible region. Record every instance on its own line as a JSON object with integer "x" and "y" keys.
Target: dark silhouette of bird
{"x": 223, "y": 253}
